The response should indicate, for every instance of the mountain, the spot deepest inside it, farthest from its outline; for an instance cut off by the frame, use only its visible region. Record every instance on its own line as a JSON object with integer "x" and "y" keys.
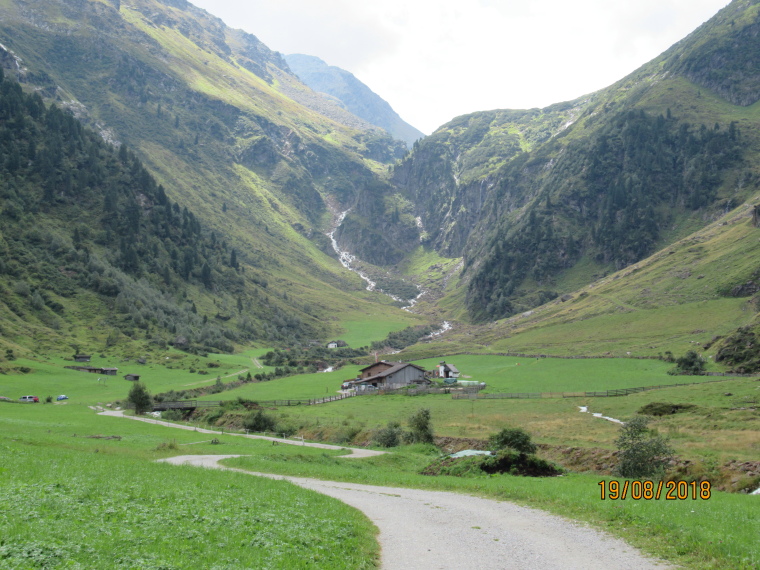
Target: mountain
{"x": 167, "y": 179}
{"x": 341, "y": 86}
{"x": 202, "y": 110}
{"x": 541, "y": 202}
{"x": 87, "y": 229}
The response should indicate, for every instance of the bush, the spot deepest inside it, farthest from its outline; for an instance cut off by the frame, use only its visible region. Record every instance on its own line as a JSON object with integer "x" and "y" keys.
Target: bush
{"x": 348, "y": 434}
{"x": 690, "y": 364}
{"x": 506, "y": 461}
{"x": 519, "y": 463}
{"x": 389, "y": 436}
{"x": 512, "y": 438}
{"x": 664, "y": 408}
{"x": 259, "y": 421}
{"x": 140, "y": 398}
{"x": 173, "y": 415}
{"x": 642, "y": 453}
{"x": 421, "y": 427}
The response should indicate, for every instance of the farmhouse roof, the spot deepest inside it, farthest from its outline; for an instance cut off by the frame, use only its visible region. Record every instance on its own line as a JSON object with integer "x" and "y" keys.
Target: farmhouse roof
{"x": 452, "y": 368}
{"x": 376, "y": 363}
{"x": 389, "y": 371}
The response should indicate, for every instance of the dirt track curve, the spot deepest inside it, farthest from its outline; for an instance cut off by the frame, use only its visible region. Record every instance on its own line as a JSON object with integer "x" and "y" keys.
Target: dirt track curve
{"x": 438, "y": 530}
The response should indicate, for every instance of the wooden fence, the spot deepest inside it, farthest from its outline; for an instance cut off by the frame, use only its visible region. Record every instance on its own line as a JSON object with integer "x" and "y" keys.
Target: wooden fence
{"x": 193, "y": 404}
{"x": 423, "y": 391}
{"x": 598, "y": 394}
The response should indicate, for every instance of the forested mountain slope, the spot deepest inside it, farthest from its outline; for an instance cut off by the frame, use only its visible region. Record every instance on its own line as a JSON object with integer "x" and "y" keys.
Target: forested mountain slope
{"x": 90, "y": 242}
{"x": 540, "y": 202}
{"x": 200, "y": 108}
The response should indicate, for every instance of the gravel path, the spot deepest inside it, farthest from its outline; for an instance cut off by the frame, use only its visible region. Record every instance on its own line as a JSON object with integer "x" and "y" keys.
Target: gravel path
{"x": 440, "y": 530}
{"x": 356, "y": 452}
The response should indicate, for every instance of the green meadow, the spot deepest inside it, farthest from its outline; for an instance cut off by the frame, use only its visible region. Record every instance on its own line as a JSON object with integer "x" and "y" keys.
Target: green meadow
{"x": 508, "y": 374}
{"x": 74, "y": 499}
{"x": 218, "y": 519}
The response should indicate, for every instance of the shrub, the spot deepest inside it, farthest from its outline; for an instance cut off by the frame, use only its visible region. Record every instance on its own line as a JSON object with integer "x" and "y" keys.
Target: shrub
{"x": 506, "y": 461}
{"x": 512, "y": 438}
{"x": 643, "y": 454}
{"x": 348, "y": 434}
{"x": 518, "y": 463}
{"x": 389, "y": 436}
{"x": 421, "y": 427}
{"x": 173, "y": 415}
{"x": 259, "y": 421}
{"x": 664, "y": 408}
{"x": 140, "y": 398}
{"x": 690, "y": 364}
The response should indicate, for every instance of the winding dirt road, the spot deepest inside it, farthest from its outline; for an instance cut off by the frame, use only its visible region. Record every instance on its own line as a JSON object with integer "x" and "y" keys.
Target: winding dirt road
{"x": 440, "y": 530}
{"x": 430, "y": 530}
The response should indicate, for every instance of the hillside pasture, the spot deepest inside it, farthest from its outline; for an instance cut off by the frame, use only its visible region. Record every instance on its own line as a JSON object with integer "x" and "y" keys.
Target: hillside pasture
{"x": 517, "y": 374}
{"x": 163, "y": 371}
{"x": 104, "y": 503}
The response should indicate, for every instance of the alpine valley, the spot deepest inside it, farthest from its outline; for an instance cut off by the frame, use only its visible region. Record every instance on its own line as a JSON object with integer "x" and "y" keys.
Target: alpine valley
{"x": 168, "y": 180}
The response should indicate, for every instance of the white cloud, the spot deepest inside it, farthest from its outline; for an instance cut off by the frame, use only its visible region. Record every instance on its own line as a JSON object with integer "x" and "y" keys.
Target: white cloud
{"x": 434, "y": 60}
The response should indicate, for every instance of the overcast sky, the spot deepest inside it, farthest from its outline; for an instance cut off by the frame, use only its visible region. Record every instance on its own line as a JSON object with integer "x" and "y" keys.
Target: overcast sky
{"x": 433, "y": 60}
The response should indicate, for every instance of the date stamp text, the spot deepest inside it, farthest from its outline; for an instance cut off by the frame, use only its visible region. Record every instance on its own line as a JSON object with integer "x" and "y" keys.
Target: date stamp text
{"x": 649, "y": 490}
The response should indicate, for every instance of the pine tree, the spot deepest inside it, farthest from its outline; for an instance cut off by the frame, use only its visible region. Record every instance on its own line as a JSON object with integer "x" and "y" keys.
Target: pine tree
{"x": 140, "y": 398}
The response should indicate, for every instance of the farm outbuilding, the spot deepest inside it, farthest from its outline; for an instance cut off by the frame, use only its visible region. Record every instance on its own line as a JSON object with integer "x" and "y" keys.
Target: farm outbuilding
{"x": 132, "y": 377}
{"x": 389, "y": 376}
{"x": 447, "y": 370}
{"x": 94, "y": 370}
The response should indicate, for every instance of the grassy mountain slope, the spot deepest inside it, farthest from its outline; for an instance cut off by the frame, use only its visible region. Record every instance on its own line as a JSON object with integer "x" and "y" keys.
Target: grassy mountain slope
{"x": 541, "y": 202}
{"x": 201, "y": 106}
{"x": 681, "y": 298}
{"x": 94, "y": 253}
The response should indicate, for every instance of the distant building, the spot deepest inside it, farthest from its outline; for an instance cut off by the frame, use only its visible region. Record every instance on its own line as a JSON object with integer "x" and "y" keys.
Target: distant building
{"x": 447, "y": 370}
{"x": 389, "y": 376}
{"x": 82, "y": 358}
{"x": 94, "y": 370}
{"x": 332, "y": 344}
{"x": 132, "y": 377}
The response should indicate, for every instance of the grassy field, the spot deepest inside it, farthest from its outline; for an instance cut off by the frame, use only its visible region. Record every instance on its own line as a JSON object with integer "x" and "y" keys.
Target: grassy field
{"x": 507, "y": 374}
{"x": 363, "y": 332}
{"x": 163, "y": 371}
{"x": 716, "y": 533}
{"x": 127, "y": 498}
{"x": 104, "y": 503}
{"x": 501, "y": 374}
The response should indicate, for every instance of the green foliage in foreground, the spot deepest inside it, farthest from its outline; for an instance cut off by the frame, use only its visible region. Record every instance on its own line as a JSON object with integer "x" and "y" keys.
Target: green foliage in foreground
{"x": 107, "y": 511}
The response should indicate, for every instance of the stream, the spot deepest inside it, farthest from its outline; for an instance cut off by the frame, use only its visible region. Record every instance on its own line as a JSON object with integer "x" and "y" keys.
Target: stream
{"x": 347, "y": 259}
{"x": 584, "y": 410}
